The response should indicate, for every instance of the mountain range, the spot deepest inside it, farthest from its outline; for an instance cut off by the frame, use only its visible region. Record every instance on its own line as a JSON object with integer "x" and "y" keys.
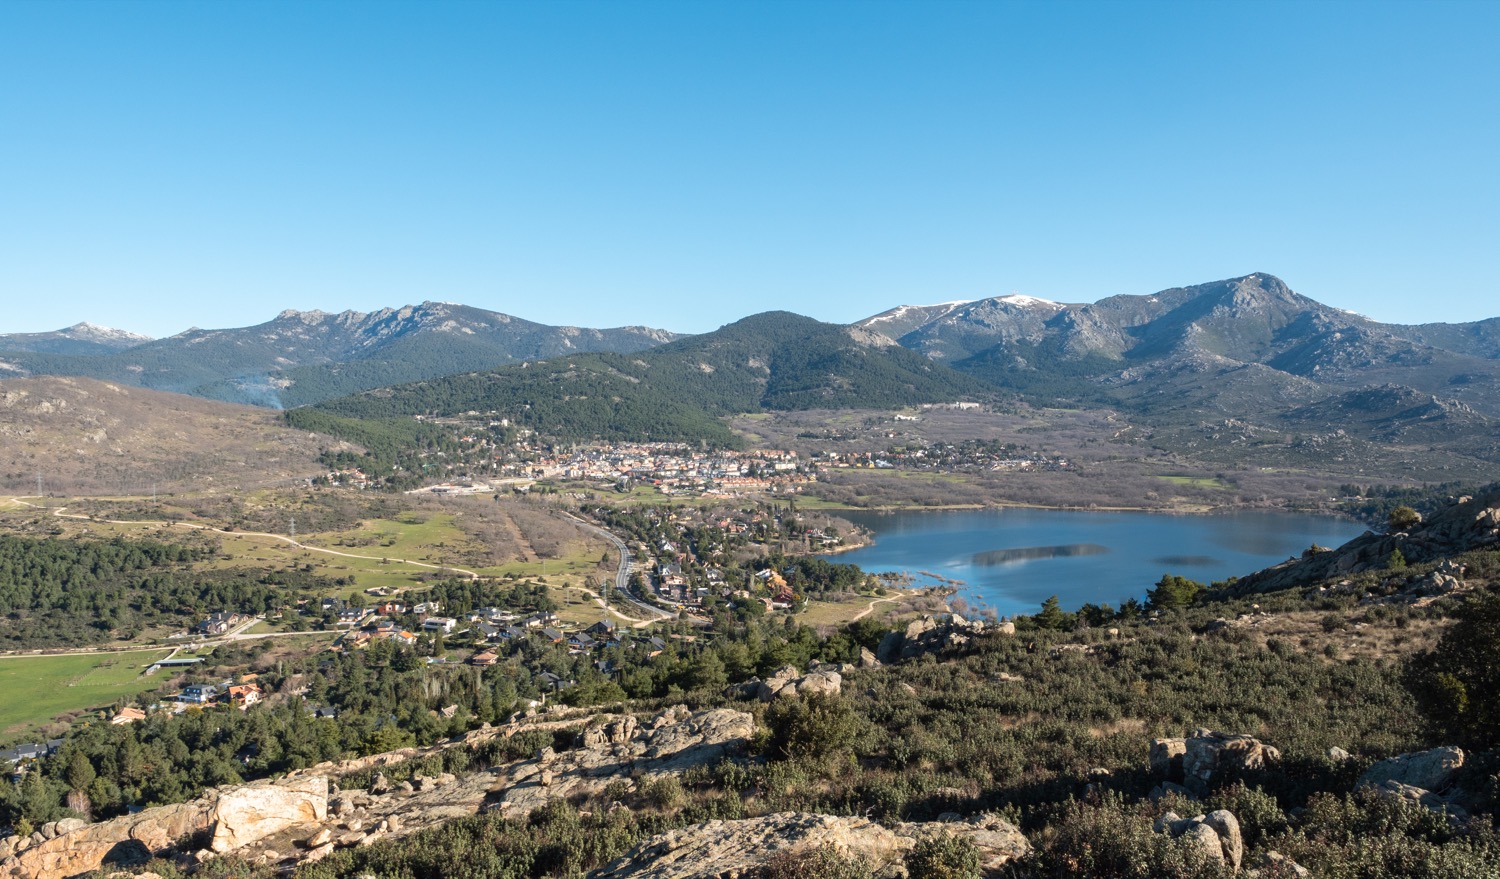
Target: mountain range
{"x": 679, "y": 390}
{"x": 1256, "y": 330}
{"x": 305, "y": 356}
{"x": 1246, "y": 356}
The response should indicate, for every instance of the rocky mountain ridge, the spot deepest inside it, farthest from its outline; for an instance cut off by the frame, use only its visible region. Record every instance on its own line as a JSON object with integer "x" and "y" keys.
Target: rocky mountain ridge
{"x": 309, "y": 814}
{"x": 81, "y": 338}
{"x": 1124, "y": 341}
{"x": 304, "y": 356}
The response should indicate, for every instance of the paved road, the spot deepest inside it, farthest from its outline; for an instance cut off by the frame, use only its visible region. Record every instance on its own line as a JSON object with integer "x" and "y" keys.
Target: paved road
{"x": 622, "y": 574}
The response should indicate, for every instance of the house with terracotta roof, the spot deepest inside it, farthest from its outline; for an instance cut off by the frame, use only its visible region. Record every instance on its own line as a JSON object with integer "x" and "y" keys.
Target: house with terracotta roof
{"x": 242, "y": 696}
{"x": 128, "y": 714}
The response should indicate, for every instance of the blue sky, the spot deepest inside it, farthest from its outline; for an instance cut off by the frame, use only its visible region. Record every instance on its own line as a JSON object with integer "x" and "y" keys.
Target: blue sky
{"x": 166, "y": 165}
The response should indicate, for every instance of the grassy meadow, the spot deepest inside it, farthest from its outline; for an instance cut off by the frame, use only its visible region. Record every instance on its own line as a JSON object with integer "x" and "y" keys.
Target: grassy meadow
{"x": 34, "y": 689}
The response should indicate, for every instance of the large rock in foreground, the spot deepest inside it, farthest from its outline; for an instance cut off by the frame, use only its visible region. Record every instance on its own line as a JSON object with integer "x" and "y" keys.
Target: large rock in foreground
{"x": 249, "y": 814}
{"x": 230, "y": 813}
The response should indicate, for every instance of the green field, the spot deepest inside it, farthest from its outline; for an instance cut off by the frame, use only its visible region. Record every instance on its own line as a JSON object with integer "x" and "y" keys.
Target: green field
{"x": 1198, "y": 481}
{"x": 37, "y": 689}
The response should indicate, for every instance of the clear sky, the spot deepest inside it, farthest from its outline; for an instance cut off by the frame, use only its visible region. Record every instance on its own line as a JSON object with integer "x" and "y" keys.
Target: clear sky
{"x": 684, "y": 164}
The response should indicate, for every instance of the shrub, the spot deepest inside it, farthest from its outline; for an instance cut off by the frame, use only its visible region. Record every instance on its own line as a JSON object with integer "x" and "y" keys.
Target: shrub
{"x": 1455, "y": 682}
{"x": 823, "y": 862}
{"x": 813, "y": 726}
{"x": 1403, "y": 519}
{"x": 943, "y": 857}
{"x": 1114, "y": 840}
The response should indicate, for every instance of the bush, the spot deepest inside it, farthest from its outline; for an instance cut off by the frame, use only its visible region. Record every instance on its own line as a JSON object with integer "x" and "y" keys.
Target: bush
{"x": 812, "y": 726}
{"x": 823, "y": 862}
{"x": 1114, "y": 840}
{"x": 1403, "y": 519}
{"x": 1454, "y": 683}
{"x": 943, "y": 857}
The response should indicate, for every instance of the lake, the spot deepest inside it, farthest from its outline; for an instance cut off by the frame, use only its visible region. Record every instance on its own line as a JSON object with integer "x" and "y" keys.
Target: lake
{"x": 1013, "y": 559}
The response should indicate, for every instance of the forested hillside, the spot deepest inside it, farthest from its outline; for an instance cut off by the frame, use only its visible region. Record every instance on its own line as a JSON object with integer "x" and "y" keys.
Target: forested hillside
{"x": 677, "y": 392}
{"x": 75, "y": 592}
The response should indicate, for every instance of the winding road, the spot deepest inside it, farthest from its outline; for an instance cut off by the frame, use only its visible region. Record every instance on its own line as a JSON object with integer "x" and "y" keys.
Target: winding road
{"x": 622, "y": 574}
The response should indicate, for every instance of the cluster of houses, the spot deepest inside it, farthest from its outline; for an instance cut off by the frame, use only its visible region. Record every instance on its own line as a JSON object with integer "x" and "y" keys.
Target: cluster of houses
{"x": 673, "y": 468}
{"x": 239, "y": 694}
{"x": 682, "y": 575}
{"x": 945, "y": 457}
{"x": 678, "y": 468}
{"x": 352, "y": 476}
{"x": 230, "y": 693}
{"x": 485, "y": 626}
{"x": 605, "y": 635}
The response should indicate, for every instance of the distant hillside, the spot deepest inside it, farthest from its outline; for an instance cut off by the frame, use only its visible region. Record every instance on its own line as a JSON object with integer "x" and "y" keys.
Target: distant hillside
{"x": 775, "y": 360}
{"x": 84, "y": 338}
{"x": 1124, "y": 342}
{"x": 84, "y": 436}
{"x": 304, "y": 357}
{"x": 1248, "y": 350}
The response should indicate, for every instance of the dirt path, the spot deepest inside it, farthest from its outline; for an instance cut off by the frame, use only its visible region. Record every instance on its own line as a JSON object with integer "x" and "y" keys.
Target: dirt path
{"x": 871, "y": 606}
{"x": 60, "y": 512}
{"x": 635, "y": 622}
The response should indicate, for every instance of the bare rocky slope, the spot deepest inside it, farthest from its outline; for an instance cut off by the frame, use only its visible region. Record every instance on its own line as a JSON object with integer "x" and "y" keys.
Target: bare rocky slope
{"x": 1471, "y": 524}
{"x": 83, "y": 436}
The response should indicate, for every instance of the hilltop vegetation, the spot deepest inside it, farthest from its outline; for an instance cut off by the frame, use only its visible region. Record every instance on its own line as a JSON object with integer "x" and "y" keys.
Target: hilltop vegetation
{"x": 679, "y": 391}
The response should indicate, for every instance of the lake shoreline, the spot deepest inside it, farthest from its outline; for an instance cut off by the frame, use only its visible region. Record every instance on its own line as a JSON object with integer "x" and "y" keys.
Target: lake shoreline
{"x": 1013, "y": 557}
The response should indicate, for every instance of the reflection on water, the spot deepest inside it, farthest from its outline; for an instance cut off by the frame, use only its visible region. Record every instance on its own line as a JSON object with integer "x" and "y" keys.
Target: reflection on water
{"x": 1187, "y": 561}
{"x": 1081, "y": 557}
{"x": 1028, "y": 553}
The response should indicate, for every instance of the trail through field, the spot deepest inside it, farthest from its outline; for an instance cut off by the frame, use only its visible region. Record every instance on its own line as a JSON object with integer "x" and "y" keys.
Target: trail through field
{"x": 635, "y": 622}
{"x": 871, "y": 607}
{"x": 61, "y": 513}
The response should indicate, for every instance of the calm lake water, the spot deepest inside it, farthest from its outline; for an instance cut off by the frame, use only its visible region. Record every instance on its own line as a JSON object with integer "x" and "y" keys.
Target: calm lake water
{"x": 1014, "y": 559}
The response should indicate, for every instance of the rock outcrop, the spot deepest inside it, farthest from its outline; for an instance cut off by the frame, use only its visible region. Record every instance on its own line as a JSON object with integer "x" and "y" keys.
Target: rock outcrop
{"x": 1195, "y": 761}
{"x": 1420, "y": 777}
{"x": 1472, "y": 523}
{"x": 295, "y": 819}
{"x": 668, "y": 744}
{"x": 731, "y": 848}
{"x": 929, "y": 635}
{"x": 133, "y": 839}
{"x": 787, "y": 682}
{"x": 1217, "y": 835}
{"x": 1432, "y": 770}
{"x": 247, "y": 815}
